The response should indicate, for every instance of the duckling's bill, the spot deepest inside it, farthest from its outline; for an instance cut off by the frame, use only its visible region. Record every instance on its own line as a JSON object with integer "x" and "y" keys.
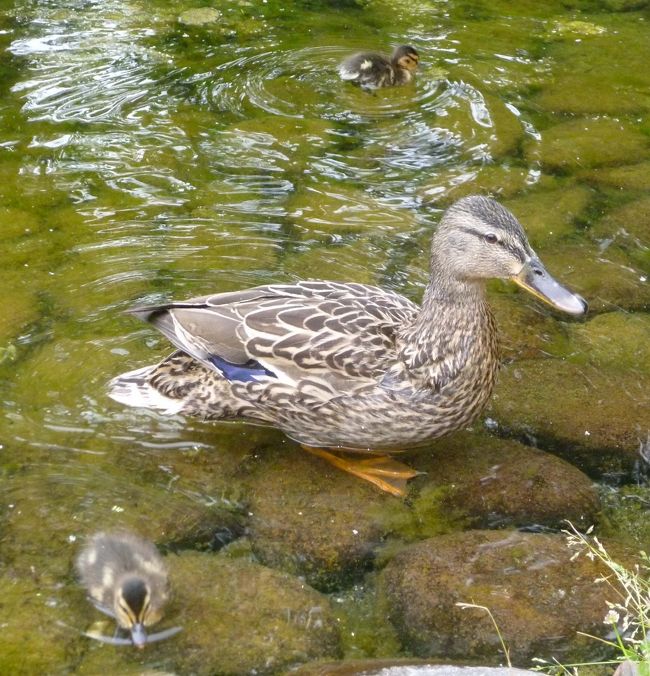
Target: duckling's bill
{"x": 536, "y": 280}
{"x": 139, "y": 637}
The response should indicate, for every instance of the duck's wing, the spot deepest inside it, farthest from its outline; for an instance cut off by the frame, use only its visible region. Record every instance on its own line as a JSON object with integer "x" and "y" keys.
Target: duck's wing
{"x": 288, "y": 331}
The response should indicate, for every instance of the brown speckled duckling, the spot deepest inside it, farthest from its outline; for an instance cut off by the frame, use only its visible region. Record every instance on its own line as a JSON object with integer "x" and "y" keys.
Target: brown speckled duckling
{"x": 371, "y": 70}
{"x": 126, "y": 578}
{"x": 346, "y": 366}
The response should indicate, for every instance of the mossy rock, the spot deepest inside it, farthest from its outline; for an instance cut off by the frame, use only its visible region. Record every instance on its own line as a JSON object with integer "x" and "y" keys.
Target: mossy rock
{"x": 498, "y": 482}
{"x": 551, "y": 214}
{"x": 528, "y": 328}
{"x": 584, "y": 143}
{"x": 39, "y": 633}
{"x": 200, "y": 16}
{"x": 237, "y": 617}
{"x": 625, "y": 511}
{"x": 626, "y": 225}
{"x": 615, "y": 341}
{"x": 587, "y": 76}
{"x": 590, "y": 416}
{"x": 311, "y": 519}
{"x": 590, "y": 93}
{"x": 106, "y": 492}
{"x": 500, "y": 181}
{"x": 626, "y": 177}
{"x": 539, "y": 598}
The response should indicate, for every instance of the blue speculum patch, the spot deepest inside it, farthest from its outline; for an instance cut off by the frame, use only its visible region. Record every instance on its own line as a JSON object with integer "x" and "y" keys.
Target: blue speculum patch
{"x": 251, "y": 370}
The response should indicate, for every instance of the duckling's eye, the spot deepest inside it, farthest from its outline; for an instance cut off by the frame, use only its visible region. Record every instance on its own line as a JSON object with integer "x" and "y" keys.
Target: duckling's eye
{"x": 491, "y": 238}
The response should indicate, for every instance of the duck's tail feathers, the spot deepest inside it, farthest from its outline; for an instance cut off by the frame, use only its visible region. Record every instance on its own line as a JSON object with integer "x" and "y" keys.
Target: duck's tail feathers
{"x": 133, "y": 389}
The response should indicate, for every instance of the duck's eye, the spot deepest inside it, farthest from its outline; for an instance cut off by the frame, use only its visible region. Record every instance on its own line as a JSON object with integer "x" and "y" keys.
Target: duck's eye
{"x": 491, "y": 238}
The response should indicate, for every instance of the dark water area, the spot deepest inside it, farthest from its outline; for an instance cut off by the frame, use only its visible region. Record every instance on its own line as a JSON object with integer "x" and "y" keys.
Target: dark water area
{"x": 150, "y": 152}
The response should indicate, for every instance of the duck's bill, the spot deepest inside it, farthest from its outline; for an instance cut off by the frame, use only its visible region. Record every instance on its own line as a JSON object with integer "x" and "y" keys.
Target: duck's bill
{"x": 162, "y": 635}
{"x": 536, "y": 280}
{"x": 112, "y": 640}
{"x": 139, "y": 640}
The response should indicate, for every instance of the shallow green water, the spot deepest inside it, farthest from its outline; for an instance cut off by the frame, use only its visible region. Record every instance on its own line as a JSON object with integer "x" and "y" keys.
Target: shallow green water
{"x": 143, "y": 160}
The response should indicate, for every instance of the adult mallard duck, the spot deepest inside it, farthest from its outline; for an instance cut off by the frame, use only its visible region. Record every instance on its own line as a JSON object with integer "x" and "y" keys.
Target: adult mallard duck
{"x": 372, "y": 71}
{"x": 126, "y": 579}
{"x": 349, "y": 366}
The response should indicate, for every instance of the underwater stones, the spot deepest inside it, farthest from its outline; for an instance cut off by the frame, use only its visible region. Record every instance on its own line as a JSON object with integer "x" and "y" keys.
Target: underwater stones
{"x": 37, "y": 626}
{"x": 593, "y": 417}
{"x": 584, "y": 143}
{"x": 626, "y": 226}
{"x": 614, "y": 340}
{"x": 586, "y": 93}
{"x": 551, "y": 214}
{"x": 497, "y": 482}
{"x": 626, "y": 177}
{"x": 539, "y": 597}
{"x": 311, "y": 519}
{"x": 118, "y": 494}
{"x": 199, "y": 16}
{"x": 361, "y": 259}
{"x": 240, "y": 617}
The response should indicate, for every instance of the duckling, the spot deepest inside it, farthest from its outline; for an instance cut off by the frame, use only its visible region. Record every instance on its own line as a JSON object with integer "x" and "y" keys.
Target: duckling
{"x": 126, "y": 579}
{"x": 371, "y": 70}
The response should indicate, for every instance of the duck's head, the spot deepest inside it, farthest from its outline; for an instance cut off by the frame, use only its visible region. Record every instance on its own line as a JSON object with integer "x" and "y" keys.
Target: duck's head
{"x": 405, "y": 57}
{"x": 134, "y": 608}
{"x": 479, "y": 239}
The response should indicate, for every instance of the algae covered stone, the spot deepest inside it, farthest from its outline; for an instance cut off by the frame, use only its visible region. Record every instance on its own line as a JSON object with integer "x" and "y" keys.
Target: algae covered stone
{"x": 199, "y": 16}
{"x": 499, "y": 482}
{"x": 593, "y": 417}
{"x": 311, "y": 519}
{"x": 240, "y": 617}
{"x": 537, "y": 595}
{"x": 586, "y": 142}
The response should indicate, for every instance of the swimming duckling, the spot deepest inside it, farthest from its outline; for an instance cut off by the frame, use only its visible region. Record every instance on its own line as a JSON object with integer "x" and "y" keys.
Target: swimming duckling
{"x": 371, "y": 70}
{"x": 126, "y": 579}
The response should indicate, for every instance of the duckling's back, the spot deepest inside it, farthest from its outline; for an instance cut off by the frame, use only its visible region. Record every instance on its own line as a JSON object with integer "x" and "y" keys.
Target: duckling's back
{"x": 109, "y": 558}
{"x": 367, "y": 69}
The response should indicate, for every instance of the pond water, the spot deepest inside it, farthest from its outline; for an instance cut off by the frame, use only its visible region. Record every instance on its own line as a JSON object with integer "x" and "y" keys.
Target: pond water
{"x": 144, "y": 159}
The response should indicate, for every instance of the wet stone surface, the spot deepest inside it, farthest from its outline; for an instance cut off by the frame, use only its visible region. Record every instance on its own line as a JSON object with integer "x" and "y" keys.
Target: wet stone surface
{"x": 541, "y": 400}
{"x": 539, "y": 598}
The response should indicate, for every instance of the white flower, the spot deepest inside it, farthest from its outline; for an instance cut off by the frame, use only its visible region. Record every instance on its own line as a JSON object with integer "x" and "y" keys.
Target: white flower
{"x": 611, "y": 617}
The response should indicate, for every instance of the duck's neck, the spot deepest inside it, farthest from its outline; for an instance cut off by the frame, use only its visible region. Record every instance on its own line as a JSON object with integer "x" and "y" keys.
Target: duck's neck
{"x": 454, "y": 321}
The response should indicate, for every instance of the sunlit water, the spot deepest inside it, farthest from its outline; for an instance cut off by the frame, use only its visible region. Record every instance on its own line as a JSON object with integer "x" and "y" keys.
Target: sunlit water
{"x": 144, "y": 160}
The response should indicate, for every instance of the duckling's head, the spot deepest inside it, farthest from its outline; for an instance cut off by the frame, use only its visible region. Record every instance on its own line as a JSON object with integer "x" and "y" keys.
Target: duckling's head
{"x": 405, "y": 57}
{"x": 134, "y": 609}
{"x": 479, "y": 239}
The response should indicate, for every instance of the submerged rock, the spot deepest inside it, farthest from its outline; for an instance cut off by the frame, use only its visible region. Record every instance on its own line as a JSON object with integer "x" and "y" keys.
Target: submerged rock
{"x": 199, "y": 16}
{"x": 498, "y": 482}
{"x": 38, "y": 627}
{"x": 312, "y": 519}
{"x": 593, "y": 417}
{"x": 583, "y": 143}
{"x": 551, "y": 214}
{"x": 240, "y": 617}
{"x": 539, "y": 598}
